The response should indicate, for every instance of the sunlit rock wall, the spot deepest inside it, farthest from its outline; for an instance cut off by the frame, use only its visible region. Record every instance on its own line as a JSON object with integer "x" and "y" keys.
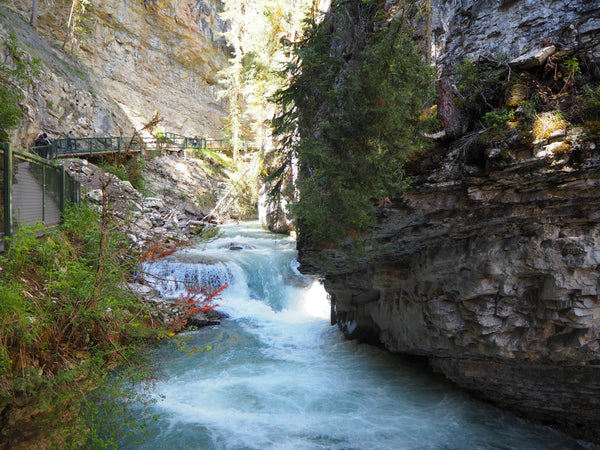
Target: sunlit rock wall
{"x": 148, "y": 56}
{"x": 65, "y": 95}
{"x": 163, "y": 56}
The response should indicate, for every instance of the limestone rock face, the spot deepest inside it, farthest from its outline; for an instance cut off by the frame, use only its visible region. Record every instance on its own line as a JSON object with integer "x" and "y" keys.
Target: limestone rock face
{"x": 508, "y": 28}
{"x": 489, "y": 265}
{"x": 161, "y": 55}
{"x": 494, "y": 278}
{"x": 145, "y": 56}
{"x": 64, "y": 96}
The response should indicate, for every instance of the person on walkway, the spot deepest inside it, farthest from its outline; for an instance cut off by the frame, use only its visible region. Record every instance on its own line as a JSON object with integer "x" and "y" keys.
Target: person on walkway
{"x": 70, "y": 141}
{"x": 43, "y": 145}
{"x": 39, "y": 141}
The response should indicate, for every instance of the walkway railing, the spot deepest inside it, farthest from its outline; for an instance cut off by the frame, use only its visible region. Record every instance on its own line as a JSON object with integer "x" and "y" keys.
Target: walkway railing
{"x": 33, "y": 190}
{"x": 208, "y": 143}
{"x": 90, "y": 146}
{"x": 61, "y": 148}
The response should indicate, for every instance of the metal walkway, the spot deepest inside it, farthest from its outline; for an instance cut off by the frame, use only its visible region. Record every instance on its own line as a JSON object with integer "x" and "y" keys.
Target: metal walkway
{"x": 169, "y": 142}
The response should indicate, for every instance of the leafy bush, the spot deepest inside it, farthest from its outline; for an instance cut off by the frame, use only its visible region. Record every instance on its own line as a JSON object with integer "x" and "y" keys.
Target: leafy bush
{"x": 10, "y": 113}
{"x": 480, "y": 86}
{"x": 526, "y": 111}
{"x": 591, "y": 102}
{"x": 65, "y": 317}
{"x": 20, "y": 72}
{"x": 469, "y": 77}
{"x": 498, "y": 119}
{"x": 572, "y": 66}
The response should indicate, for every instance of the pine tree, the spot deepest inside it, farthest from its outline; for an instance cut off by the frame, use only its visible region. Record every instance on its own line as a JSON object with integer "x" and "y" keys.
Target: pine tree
{"x": 256, "y": 32}
{"x": 349, "y": 116}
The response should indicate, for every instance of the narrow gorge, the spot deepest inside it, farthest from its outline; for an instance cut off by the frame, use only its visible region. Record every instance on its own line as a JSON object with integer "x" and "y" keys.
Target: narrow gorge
{"x": 487, "y": 265}
{"x": 484, "y": 261}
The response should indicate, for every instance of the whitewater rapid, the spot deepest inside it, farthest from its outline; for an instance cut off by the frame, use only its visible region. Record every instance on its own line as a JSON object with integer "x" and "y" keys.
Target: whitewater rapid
{"x": 277, "y": 375}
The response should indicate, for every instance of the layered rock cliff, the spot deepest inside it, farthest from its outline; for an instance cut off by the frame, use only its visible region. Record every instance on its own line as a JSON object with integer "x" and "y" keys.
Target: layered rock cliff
{"x": 64, "y": 96}
{"x": 131, "y": 59}
{"x": 494, "y": 279}
{"x": 488, "y": 265}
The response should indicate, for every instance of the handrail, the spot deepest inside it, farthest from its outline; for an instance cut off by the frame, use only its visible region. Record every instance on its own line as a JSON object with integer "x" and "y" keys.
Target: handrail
{"x": 133, "y": 144}
{"x": 91, "y": 145}
{"x": 50, "y": 176}
{"x": 34, "y": 158}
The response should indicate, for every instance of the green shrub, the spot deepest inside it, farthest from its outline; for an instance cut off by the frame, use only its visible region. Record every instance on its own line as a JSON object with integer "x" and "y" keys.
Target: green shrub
{"x": 526, "y": 111}
{"x": 591, "y": 103}
{"x": 498, "y": 119}
{"x": 572, "y": 66}
{"x": 480, "y": 86}
{"x": 18, "y": 72}
{"x": 66, "y": 318}
{"x": 10, "y": 113}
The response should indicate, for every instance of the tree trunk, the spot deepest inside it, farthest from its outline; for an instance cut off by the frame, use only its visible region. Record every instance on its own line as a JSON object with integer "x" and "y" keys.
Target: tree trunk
{"x": 34, "y": 13}
{"x": 69, "y": 25}
{"x": 448, "y": 113}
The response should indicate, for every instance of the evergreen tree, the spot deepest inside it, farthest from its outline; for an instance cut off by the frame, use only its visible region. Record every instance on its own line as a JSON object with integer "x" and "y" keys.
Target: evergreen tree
{"x": 256, "y": 30}
{"x": 350, "y": 117}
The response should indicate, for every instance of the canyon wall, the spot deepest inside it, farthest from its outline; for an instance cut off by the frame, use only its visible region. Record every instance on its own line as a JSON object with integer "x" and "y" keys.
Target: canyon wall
{"x": 131, "y": 59}
{"x": 506, "y": 28}
{"x": 489, "y": 265}
{"x": 495, "y": 279}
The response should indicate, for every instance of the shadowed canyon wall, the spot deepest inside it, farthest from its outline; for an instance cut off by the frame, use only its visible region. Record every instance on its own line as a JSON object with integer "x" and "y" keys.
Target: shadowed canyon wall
{"x": 489, "y": 264}
{"x": 507, "y": 28}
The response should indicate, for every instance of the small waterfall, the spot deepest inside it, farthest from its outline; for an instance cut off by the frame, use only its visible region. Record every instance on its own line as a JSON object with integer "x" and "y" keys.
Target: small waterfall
{"x": 276, "y": 375}
{"x": 171, "y": 278}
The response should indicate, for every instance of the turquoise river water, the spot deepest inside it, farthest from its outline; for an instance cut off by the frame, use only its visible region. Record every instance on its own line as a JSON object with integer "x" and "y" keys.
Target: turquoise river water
{"x": 279, "y": 376}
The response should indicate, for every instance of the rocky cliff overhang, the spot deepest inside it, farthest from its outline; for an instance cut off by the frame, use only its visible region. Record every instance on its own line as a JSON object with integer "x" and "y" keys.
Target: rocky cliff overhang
{"x": 489, "y": 266}
{"x": 493, "y": 274}
{"x": 506, "y": 28}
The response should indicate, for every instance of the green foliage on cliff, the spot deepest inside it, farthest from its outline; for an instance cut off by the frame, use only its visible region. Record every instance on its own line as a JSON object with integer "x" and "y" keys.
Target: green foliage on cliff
{"x": 350, "y": 119}
{"x": 18, "y": 71}
{"x": 10, "y": 113}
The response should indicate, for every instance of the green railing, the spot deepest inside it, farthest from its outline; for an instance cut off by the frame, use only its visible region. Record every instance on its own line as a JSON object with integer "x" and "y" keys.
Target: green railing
{"x": 90, "y": 146}
{"x": 33, "y": 190}
{"x": 123, "y": 144}
{"x": 178, "y": 141}
{"x": 172, "y": 141}
{"x": 226, "y": 145}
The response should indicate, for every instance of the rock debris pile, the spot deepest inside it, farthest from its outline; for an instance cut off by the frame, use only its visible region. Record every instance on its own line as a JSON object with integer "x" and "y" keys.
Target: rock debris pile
{"x": 146, "y": 221}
